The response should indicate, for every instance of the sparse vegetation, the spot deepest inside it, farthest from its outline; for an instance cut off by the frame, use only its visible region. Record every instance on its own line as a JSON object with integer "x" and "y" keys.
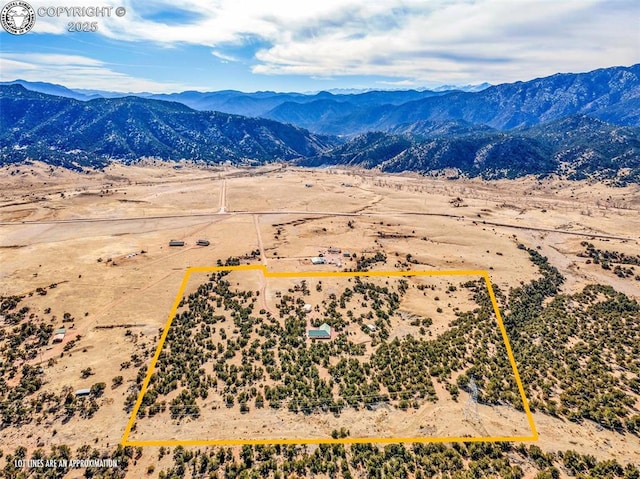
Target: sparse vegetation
{"x": 621, "y": 264}
{"x": 241, "y": 351}
{"x": 458, "y": 460}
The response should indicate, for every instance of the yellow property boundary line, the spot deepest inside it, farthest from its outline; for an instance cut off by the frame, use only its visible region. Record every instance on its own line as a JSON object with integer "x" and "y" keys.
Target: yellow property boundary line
{"x": 349, "y": 440}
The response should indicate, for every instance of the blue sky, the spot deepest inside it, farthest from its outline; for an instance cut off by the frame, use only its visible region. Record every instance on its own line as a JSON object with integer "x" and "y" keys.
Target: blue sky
{"x": 319, "y": 45}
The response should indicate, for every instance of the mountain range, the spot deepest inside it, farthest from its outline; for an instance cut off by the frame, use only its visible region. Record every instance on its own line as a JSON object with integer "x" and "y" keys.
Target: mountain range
{"x": 576, "y": 147}
{"x": 577, "y": 125}
{"x": 265, "y": 104}
{"x": 68, "y": 131}
{"x": 610, "y": 94}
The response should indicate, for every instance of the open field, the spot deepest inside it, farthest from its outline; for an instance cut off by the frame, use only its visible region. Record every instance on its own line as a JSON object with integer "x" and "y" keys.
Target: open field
{"x": 73, "y": 235}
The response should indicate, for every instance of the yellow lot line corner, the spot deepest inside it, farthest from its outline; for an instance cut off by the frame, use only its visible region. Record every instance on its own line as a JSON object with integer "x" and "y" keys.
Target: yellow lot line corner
{"x": 349, "y": 440}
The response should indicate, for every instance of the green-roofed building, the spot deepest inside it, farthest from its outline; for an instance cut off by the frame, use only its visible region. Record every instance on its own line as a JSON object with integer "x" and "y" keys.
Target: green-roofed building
{"x": 323, "y": 332}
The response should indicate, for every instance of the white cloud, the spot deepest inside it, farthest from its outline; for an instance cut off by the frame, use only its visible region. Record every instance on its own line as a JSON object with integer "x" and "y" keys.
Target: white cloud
{"x": 488, "y": 40}
{"x": 445, "y": 41}
{"x": 398, "y": 83}
{"x": 53, "y": 59}
{"x": 72, "y": 71}
{"x": 225, "y": 58}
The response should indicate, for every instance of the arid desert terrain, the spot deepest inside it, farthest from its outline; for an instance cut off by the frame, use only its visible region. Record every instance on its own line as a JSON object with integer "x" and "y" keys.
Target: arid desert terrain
{"x": 90, "y": 252}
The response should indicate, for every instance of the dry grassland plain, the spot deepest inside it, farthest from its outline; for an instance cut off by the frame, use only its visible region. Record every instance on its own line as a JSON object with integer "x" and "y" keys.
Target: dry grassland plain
{"x": 102, "y": 238}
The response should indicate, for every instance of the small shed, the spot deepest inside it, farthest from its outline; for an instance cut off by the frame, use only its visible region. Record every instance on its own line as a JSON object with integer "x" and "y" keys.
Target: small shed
{"x": 334, "y": 250}
{"x": 176, "y": 243}
{"x": 58, "y": 335}
{"x": 323, "y": 332}
{"x": 83, "y": 392}
{"x": 371, "y": 327}
{"x": 306, "y": 308}
{"x": 318, "y": 260}
{"x": 203, "y": 242}
{"x": 346, "y": 254}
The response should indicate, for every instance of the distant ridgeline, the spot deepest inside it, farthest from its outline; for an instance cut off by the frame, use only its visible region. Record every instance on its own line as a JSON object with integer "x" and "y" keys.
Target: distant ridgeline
{"x": 577, "y": 126}
{"x": 64, "y": 131}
